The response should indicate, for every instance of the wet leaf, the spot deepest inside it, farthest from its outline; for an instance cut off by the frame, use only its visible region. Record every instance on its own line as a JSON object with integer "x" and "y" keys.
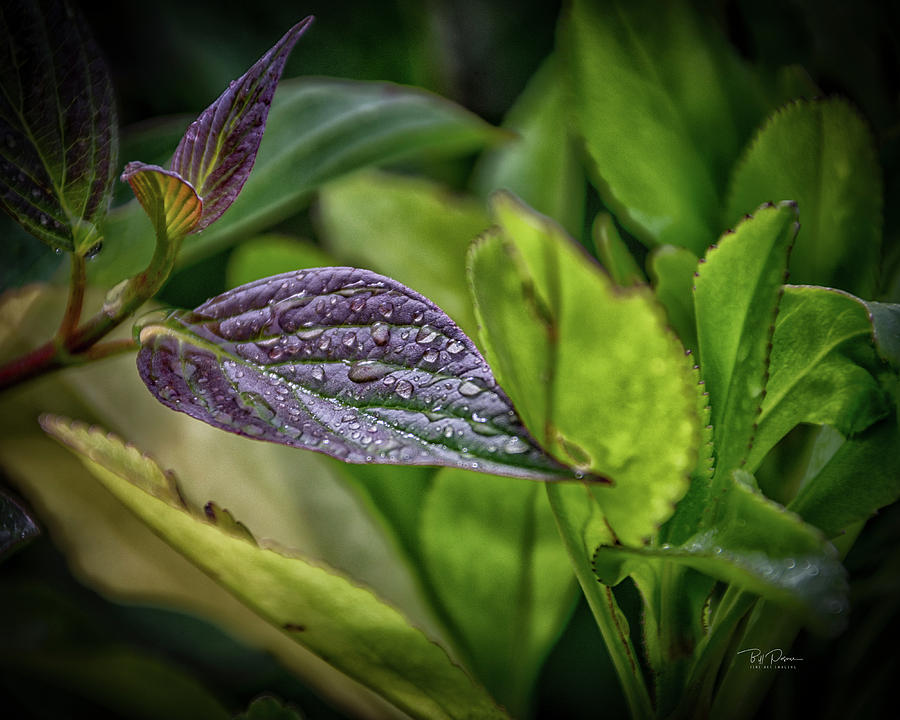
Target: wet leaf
{"x": 17, "y": 527}
{"x": 756, "y": 544}
{"x": 344, "y": 362}
{"x": 58, "y": 131}
{"x": 314, "y": 605}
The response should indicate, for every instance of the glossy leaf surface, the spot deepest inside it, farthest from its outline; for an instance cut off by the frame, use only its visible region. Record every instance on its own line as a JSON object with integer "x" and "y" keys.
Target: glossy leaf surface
{"x": 317, "y": 607}
{"x": 344, "y": 362}
{"x": 821, "y": 155}
{"x": 757, "y": 545}
{"x": 318, "y": 129}
{"x": 57, "y": 124}
{"x": 17, "y": 526}
{"x": 219, "y": 148}
{"x": 593, "y": 370}
{"x": 823, "y": 368}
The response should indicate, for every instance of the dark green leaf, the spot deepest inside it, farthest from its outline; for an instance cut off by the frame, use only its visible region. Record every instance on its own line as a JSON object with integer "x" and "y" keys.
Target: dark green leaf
{"x": 885, "y": 318}
{"x": 821, "y": 370}
{"x": 318, "y": 130}
{"x": 664, "y": 106}
{"x": 312, "y": 603}
{"x": 344, "y": 362}
{"x": 17, "y": 527}
{"x": 57, "y": 124}
{"x": 862, "y": 477}
{"x": 755, "y": 544}
{"x": 821, "y": 155}
{"x": 595, "y": 374}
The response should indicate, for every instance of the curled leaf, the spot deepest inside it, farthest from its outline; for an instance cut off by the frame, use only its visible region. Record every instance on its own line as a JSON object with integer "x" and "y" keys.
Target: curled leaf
{"x": 172, "y": 204}
{"x": 344, "y": 362}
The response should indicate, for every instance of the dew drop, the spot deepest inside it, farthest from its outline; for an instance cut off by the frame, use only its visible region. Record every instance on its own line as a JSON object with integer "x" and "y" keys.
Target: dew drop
{"x": 310, "y": 333}
{"x": 514, "y": 446}
{"x": 431, "y": 356}
{"x": 358, "y": 304}
{"x": 389, "y": 380}
{"x": 405, "y": 389}
{"x": 318, "y": 373}
{"x": 381, "y": 333}
{"x": 455, "y": 347}
{"x": 417, "y": 317}
{"x": 320, "y": 305}
{"x": 469, "y": 389}
{"x": 349, "y": 339}
{"x": 276, "y": 353}
{"x": 478, "y": 418}
{"x": 386, "y": 309}
{"x": 426, "y": 334}
{"x": 448, "y": 432}
{"x": 368, "y": 370}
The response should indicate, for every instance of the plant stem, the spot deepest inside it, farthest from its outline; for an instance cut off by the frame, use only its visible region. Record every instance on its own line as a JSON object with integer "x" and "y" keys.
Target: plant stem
{"x": 72, "y": 345}
{"x": 601, "y": 600}
{"x": 72, "y": 315}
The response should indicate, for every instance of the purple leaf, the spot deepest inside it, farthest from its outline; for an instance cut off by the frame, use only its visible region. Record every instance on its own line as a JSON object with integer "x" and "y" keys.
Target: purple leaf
{"x": 344, "y": 362}
{"x": 219, "y": 148}
{"x": 58, "y": 128}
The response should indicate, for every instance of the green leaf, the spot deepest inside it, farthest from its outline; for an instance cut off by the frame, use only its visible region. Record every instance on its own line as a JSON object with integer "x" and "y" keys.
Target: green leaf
{"x": 495, "y": 559}
{"x": 17, "y": 527}
{"x": 755, "y": 544}
{"x": 171, "y": 202}
{"x": 672, "y": 272}
{"x": 274, "y": 254}
{"x": 318, "y": 608}
{"x": 820, "y": 154}
{"x": 344, "y": 362}
{"x": 736, "y": 297}
{"x": 821, "y": 368}
{"x": 862, "y": 477}
{"x": 57, "y": 123}
{"x": 664, "y": 106}
{"x": 409, "y": 228}
{"x": 885, "y": 318}
{"x": 595, "y": 374}
{"x": 614, "y": 253}
{"x": 269, "y": 708}
{"x": 540, "y": 165}
{"x": 318, "y": 129}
